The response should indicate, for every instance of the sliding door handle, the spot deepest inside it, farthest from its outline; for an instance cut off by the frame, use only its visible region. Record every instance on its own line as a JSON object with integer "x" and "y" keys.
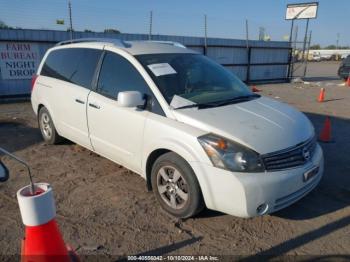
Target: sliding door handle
{"x": 94, "y": 106}
{"x": 79, "y": 101}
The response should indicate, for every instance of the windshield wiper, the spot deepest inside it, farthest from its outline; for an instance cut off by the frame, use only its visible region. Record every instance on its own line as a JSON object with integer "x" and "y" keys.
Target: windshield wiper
{"x": 203, "y": 105}
{"x": 220, "y": 103}
{"x": 236, "y": 99}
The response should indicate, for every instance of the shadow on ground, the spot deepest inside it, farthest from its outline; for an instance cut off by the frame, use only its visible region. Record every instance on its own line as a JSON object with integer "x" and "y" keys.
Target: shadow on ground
{"x": 303, "y": 239}
{"x": 15, "y": 135}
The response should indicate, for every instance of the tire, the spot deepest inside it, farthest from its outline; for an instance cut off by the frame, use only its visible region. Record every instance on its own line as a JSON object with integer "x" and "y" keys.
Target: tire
{"x": 47, "y": 127}
{"x": 181, "y": 198}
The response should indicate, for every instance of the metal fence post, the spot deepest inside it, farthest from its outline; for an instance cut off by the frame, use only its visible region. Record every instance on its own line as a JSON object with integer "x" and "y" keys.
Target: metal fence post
{"x": 205, "y": 35}
{"x": 290, "y": 58}
{"x": 248, "y": 64}
{"x": 307, "y": 53}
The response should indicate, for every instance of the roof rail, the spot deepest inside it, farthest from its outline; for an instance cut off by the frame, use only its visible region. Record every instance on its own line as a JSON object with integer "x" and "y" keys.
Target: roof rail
{"x": 167, "y": 43}
{"x": 115, "y": 41}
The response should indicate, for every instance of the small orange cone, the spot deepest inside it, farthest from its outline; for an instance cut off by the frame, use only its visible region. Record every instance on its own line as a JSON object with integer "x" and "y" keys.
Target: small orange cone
{"x": 321, "y": 95}
{"x": 325, "y": 135}
{"x": 348, "y": 81}
{"x": 254, "y": 89}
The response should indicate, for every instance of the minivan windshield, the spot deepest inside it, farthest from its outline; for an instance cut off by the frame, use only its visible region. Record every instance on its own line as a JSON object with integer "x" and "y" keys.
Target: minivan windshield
{"x": 194, "y": 78}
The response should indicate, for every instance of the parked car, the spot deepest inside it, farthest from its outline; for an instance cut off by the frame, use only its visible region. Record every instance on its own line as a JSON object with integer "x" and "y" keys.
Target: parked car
{"x": 344, "y": 68}
{"x": 188, "y": 126}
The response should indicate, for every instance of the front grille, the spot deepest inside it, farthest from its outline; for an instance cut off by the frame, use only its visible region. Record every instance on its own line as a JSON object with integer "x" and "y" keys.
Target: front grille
{"x": 290, "y": 157}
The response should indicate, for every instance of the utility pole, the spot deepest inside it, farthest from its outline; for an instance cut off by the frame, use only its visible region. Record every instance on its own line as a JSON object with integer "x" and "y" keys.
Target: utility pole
{"x": 205, "y": 34}
{"x": 70, "y": 19}
{"x": 248, "y": 51}
{"x": 290, "y": 67}
{"x": 247, "y": 33}
{"x": 150, "y": 25}
{"x": 338, "y": 36}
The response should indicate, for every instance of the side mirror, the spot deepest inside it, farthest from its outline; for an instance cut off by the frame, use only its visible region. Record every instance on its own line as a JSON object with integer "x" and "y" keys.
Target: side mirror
{"x": 4, "y": 172}
{"x": 130, "y": 99}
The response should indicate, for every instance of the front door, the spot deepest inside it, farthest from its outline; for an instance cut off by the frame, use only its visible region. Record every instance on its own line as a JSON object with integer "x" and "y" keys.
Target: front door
{"x": 117, "y": 132}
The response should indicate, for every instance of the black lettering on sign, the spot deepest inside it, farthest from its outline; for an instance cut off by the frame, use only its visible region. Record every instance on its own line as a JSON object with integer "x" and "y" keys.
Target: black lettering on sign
{"x": 20, "y": 64}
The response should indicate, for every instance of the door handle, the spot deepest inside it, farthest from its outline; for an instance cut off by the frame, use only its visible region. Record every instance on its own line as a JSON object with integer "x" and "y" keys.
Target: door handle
{"x": 94, "y": 106}
{"x": 79, "y": 101}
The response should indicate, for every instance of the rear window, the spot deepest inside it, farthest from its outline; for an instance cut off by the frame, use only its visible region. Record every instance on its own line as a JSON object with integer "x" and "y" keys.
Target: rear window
{"x": 74, "y": 65}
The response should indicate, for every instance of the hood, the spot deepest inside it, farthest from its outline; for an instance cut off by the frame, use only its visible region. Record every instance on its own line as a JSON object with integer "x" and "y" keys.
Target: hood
{"x": 262, "y": 124}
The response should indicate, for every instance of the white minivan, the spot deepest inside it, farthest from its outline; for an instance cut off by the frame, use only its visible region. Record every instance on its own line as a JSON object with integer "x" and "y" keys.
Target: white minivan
{"x": 188, "y": 126}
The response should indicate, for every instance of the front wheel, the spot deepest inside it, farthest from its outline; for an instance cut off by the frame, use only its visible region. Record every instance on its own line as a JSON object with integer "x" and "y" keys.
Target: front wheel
{"x": 175, "y": 186}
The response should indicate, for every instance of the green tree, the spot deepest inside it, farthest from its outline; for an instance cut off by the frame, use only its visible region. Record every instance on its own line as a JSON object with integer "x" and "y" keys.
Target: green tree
{"x": 315, "y": 47}
{"x": 330, "y": 47}
{"x": 3, "y": 25}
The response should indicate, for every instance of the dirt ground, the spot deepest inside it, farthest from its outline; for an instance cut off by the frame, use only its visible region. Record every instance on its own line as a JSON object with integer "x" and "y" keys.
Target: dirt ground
{"x": 105, "y": 211}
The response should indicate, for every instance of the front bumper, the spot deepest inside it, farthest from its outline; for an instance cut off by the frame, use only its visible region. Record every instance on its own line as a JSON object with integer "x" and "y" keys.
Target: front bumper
{"x": 240, "y": 194}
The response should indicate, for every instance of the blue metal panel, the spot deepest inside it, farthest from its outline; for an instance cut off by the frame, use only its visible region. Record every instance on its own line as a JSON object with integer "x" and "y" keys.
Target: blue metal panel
{"x": 234, "y": 52}
{"x": 268, "y": 72}
{"x": 224, "y": 55}
{"x": 240, "y": 71}
{"x": 269, "y": 55}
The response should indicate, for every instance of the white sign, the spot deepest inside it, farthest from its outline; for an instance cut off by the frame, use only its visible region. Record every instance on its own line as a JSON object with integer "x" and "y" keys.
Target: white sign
{"x": 161, "y": 69}
{"x": 18, "y": 60}
{"x": 301, "y": 11}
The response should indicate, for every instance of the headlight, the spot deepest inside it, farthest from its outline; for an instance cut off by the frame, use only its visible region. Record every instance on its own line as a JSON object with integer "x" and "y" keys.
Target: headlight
{"x": 230, "y": 155}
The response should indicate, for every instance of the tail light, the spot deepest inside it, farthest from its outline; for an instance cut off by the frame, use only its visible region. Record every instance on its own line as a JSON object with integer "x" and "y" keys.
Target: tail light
{"x": 33, "y": 81}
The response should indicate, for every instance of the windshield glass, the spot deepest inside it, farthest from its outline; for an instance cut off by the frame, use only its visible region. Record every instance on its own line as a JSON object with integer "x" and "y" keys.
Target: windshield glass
{"x": 193, "y": 77}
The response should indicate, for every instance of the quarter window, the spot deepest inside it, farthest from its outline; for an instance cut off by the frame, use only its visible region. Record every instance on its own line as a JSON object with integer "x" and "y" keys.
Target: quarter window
{"x": 75, "y": 65}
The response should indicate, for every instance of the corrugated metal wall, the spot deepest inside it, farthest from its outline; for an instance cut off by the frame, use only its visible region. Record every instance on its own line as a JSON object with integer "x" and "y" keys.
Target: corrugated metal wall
{"x": 260, "y": 61}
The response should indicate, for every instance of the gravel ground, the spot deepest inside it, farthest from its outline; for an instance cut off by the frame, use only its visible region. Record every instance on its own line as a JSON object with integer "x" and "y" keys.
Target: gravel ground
{"x": 105, "y": 211}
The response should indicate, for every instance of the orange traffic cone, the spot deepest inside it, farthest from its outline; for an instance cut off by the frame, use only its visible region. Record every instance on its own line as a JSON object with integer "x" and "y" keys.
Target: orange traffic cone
{"x": 325, "y": 135}
{"x": 254, "y": 89}
{"x": 348, "y": 81}
{"x": 43, "y": 240}
{"x": 321, "y": 95}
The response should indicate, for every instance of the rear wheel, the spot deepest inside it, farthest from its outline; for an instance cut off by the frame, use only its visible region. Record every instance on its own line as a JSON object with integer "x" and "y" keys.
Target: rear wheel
{"x": 175, "y": 186}
{"x": 47, "y": 128}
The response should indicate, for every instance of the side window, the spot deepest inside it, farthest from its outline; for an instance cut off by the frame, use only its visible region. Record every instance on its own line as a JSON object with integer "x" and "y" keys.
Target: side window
{"x": 118, "y": 74}
{"x": 75, "y": 65}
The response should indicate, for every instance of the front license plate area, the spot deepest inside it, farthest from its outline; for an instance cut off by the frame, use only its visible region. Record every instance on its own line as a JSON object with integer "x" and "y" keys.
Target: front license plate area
{"x": 310, "y": 173}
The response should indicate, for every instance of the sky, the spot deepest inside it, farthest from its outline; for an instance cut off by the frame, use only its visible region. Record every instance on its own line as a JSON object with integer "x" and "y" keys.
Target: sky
{"x": 225, "y": 18}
